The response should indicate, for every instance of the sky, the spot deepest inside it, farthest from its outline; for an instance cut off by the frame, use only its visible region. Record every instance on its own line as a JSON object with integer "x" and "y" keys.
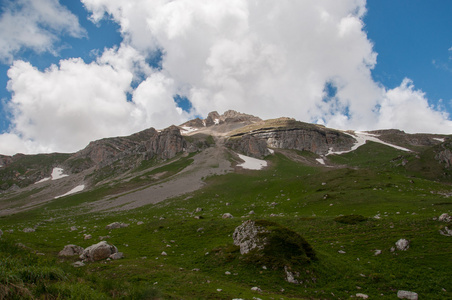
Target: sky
{"x": 74, "y": 71}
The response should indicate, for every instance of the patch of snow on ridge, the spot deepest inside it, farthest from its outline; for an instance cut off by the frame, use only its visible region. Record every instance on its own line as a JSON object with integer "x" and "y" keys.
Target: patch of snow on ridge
{"x": 361, "y": 139}
{"x": 216, "y": 121}
{"x": 320, "y": 161}
{"x": 57, "y": 173}
{"x": 439, "y": 139}
{"x": 77, "y": 189}
{"x": 187, "y": 129}
{"x": 251, "y": 163}
{"x": 271, "y": 151}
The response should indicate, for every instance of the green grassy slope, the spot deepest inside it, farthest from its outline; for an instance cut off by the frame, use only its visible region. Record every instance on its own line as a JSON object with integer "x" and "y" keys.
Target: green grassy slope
{"x": 306, "y": 199}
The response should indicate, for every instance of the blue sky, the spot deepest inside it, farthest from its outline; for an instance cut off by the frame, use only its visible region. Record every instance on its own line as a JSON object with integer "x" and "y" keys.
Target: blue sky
{"x": 95, "y": 68}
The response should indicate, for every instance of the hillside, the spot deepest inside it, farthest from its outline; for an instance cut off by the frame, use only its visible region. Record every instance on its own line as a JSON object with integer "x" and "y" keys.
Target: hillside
{"x": 329, "y": 207}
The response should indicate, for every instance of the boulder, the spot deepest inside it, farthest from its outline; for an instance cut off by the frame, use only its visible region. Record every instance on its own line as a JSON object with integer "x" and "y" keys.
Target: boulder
{"x": 71, "y": 250}
{"x": 116, "y": 225}
{"x": 407, "y": 295}
{"x": 99, "y": 251}
{"x": 271, "y": 244}
{"x": 402, "y": 244}
{"x": 445, "y": 218}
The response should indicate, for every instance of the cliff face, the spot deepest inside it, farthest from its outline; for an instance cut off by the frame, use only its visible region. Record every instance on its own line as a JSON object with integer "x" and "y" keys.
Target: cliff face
{"x": 147, "y": 144}
{"x": 316, "y": 141}
{"x": 287, "y": 133}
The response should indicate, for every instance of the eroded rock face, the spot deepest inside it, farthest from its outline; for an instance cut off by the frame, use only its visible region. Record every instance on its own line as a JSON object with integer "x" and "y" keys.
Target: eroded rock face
{"x": 250, "y": 146}
{"x": 166, "y": 144}
{"x": 318, "y": 141}
{"x": 248, "y": 236}
{"x": 99, "y": 251}
{"x": 71, "y": 250}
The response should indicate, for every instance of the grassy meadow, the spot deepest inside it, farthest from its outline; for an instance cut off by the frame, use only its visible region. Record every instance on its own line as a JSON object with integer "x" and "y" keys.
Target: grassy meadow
{"x": 201, "y": 261}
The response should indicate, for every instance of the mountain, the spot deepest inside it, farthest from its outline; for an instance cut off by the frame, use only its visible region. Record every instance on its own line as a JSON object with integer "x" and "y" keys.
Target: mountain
{"x": 112, "y": 161}
{"x": 231, "y": 207}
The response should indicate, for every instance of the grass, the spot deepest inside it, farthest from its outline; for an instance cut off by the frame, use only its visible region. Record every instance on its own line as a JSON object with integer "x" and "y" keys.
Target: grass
{"x": 306, "y": 200}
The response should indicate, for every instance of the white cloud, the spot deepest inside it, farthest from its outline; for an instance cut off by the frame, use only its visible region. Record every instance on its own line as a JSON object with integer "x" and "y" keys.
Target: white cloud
{"x": 65, "y": 107}
{"x": 36, "y": 25}
{"x": 407, "y": 108}
{"x": 268, "y": 58}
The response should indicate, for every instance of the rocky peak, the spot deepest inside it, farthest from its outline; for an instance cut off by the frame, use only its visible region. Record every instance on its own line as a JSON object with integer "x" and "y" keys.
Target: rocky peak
{"x": 229, "y": 117}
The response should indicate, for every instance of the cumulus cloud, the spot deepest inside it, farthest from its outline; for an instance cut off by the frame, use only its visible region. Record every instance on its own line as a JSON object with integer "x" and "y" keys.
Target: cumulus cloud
{"x": 268, "y": 58}
{"x": 36, "y": 25}
{"x": 65, "y": 107}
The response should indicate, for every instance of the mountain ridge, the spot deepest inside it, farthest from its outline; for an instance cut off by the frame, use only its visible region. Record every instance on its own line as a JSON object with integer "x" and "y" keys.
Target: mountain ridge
{"x": 116, "y": 160}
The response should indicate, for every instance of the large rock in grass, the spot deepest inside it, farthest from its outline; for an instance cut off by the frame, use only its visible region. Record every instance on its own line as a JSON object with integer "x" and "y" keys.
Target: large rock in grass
{"x": 99, "y": 251}
{"x": 407, "y": 295}
{"x": 116, "y": 225}
{"x": 272, "y": 244}
{"x": 71, "y": 250}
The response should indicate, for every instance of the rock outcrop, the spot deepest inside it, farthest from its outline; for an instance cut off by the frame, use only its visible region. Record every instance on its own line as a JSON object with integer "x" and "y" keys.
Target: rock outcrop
{"x": 286, "y": 133}
{"x": 148, "y": 143}
{"x": 99, "y": 251}
{"x": 250, "y": 146}
{"x": 277, "y": 245}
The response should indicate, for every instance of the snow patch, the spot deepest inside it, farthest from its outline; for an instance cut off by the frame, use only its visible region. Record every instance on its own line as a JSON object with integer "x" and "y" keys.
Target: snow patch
{"x": 57, "y": 173}
{"x": 320, "y": 161}
{"x": 439, "y": 139}
{"x": 187, "y": 129}
{"x": 361, "y": 139}
{"x": 77, "y": 189}
{"x": 251, "y": 163}
{"x": 216, "y": 121}
{"x": 44, "y": 179}
{"x": 271, "y": 151}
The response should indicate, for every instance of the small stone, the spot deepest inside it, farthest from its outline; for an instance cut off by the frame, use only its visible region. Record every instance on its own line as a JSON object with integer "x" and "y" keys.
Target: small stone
{"x": 117, "y": 255}
{"x": 363, "y": 296}
{"x": 446, "y": 231}
{"x": 140, "y": 223}
{"x": 403, "y": 244}
{"x": 219, "y": 290}
{"x": 73, "y": 228}
{"x": 28, "y": 230}
{"x": 227, "y": 216}
{"x": 227, "y": 273}
{"x": 78, "y": 264}
{"x": 341, "y": 251}
{"x": 164, "y": 253}
{"x": 377, "y": 252}
{"x": 445, "y": 218}
{"x": 407, "y": 295}
{"x": 197, "y": 210}
{"x": 87, "y": 236}
{"x": 251, "y": 212}
{"x": 256, "y": 289}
